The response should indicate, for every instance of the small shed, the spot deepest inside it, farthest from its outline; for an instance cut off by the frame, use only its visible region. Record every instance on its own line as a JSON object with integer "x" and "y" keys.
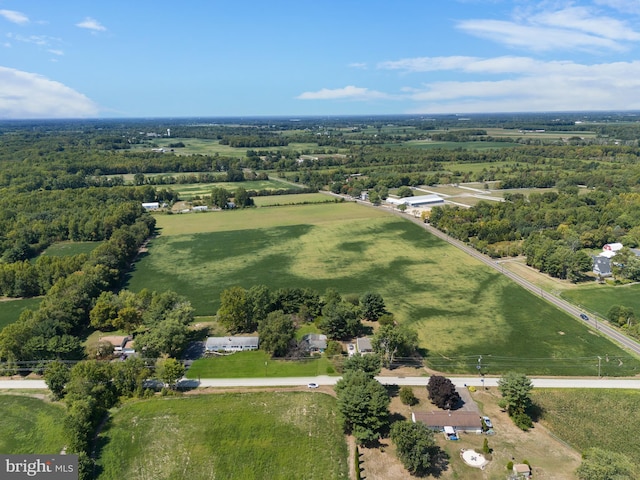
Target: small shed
{"x": 231, "y": 344}
{"x": 522, "y": 470}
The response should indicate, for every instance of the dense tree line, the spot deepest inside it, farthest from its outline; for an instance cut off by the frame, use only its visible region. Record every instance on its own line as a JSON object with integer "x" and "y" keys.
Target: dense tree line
{"x": 555, "y": 231}
{"x": 53, "y": 330}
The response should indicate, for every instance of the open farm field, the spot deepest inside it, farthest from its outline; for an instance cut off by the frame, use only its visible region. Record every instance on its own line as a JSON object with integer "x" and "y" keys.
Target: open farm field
{"x": 600, "y": 298}
{"x": 227, "y": 436}
{"x": 197, "y": 146}
{"x": 295, "y": 199}
{"x": 29, "y": 425}
{"x": 257, "y": 364}
{"x": 592, "y": 417}
{"x": 431, "y": 144}
{"x": 63, "y": 249}
{"x": 10, "y": 310}
{"x": 546, "y": 135}
{"x": 187, "y": 191}
{"x": 460, "y": 308}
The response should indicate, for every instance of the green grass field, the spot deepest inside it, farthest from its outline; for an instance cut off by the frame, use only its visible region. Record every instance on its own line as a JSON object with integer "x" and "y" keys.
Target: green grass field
{"x": 460, "y": 308}
{"x": 188, "y": 191}
{"x": 257, "y": 364}
{"x": 63, "y": 249}
{"x": 592, "y": 417}
{"x": 225, "y": 436}
{"x": 295, "y": 199}
{"x": 600, "y": 298}
{"x": 29, "y": 425}
{"x": 10, "y": 309}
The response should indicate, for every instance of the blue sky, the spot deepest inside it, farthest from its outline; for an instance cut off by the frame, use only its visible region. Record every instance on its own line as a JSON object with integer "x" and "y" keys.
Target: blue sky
{"x": 141, "y": 58}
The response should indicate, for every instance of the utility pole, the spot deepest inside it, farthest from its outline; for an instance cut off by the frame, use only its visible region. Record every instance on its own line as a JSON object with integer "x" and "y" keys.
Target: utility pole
{"x": 599, "y": 364}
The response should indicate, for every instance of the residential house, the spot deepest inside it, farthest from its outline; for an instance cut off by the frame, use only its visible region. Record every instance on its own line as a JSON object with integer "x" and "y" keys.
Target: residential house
{"x": 118, "y": 341}
{"x": 231, "y": 344}
{"x": 151, "y": 205}
{"x": 522, "y": 470}
{"x": 314, "y": 342}
{"x": 461, "y": 421}
{"x": 363, "y": 345}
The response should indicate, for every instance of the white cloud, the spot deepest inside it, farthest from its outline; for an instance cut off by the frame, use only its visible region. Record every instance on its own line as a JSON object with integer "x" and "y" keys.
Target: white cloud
{"x": 28, "y": 95}
{"x": 91, "y": 24}
{"x": 349, "y": 92}
{"x": 552, "y": 86}
{"x": 568, "y": 28}
{"x": 56, "y": 52}
{"x": 14, "y": 17}
{"x": 360, "y": 65}
{"x": 625, "y": 6}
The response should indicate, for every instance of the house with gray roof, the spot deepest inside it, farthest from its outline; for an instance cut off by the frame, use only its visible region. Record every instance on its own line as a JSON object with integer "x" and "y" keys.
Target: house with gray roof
{"x": 231, "y": 344}
{"x": 315, "y": 342}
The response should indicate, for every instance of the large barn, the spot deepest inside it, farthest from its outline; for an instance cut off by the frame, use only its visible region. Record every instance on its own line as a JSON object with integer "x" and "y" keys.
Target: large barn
{"x": 418, "y": 201}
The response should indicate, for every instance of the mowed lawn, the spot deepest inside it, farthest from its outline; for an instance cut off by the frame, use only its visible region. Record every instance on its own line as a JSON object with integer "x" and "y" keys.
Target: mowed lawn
{"x": 460, "y": 308}
{"x": 258, "y": 364}
{"x": 225, "y": 436}
{"x": 10, "y": 310}
{"x": 30, "y": 425}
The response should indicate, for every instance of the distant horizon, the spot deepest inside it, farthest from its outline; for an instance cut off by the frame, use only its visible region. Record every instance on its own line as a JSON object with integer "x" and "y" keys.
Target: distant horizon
{"x": 294, "y": 118}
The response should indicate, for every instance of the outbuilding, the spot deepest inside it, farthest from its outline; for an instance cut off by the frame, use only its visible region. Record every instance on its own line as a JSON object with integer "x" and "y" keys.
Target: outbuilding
{"x": 468, "y": 422}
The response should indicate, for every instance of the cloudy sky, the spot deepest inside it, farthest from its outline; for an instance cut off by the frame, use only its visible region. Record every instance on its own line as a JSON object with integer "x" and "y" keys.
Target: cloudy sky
{"x": 143, "y": 58}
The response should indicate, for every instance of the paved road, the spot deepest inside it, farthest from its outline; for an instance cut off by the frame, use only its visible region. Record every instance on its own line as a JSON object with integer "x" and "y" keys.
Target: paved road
{"x": 459, "y": 382}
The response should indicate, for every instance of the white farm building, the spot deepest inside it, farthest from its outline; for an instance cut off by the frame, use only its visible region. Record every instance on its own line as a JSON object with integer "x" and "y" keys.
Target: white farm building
{"x": 418, "y": 201}
{"x": 231, "y": 344}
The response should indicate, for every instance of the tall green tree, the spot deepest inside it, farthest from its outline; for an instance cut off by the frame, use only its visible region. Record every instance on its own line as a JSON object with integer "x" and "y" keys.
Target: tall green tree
{"x": 516, "y": 391}
{"x": 234, "y": 313}
{"x": 56, "y": 376}
{"x": 363, "y": 404}
{"x": 415, "y": 445}
{"x": 276, "y": 333}
{"x": 391, "y": 341}
{"x": 169, "y": 370}
{"x": 372, "y": 305}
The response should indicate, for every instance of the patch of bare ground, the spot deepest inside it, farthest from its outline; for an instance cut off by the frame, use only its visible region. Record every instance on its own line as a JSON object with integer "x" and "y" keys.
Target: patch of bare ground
{"x": 549, "y": 458}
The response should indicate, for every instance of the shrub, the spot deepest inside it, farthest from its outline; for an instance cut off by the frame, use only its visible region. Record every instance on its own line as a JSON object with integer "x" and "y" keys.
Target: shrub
{"x": 407, "y": 397}
{"x": 485, "y": 447}
{"x": 522, "y": 421}
{"x": 509, "y": 465}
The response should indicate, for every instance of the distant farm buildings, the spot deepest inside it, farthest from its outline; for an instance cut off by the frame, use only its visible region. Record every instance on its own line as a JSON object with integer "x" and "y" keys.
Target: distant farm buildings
{"x": 151, "y": 205}
{"x": 418, "y": 201}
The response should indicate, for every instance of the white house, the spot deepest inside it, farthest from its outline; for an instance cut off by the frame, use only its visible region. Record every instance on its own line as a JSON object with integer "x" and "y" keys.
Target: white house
{"x": 200, "y": 208}
{"x": 151, "y": 205}
{"x": 231, "y": 344}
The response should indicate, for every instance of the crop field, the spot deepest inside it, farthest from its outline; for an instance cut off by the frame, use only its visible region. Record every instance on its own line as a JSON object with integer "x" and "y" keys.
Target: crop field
{"x": 225, "y": 436}
{"x": 600, "y": 298}
{"x": 29, "y": 425}
{"x": 295, "y": 199}
{"x": 431, "y": 144}
{"x": 10, "y": 309}
{"x": 257, "y": 364}
{"x": 199, "y": 146}
{"x": 63, "y": 249}
{"x": 592, "y": 417}
{"x": 188, "y": 191}
{"x": 460, "y": 308}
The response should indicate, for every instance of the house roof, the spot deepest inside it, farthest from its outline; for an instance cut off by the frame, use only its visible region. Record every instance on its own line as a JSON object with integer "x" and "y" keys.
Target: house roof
{"x": 602, "y": 265}
{"x": 116, "y": 340}
{"x": 441, "y": 418}
{"x": 364, "y": 344}
{"x": 316, "y": 340}
{"x": 521, "y": 468}
{"x": 614, "y": 247}
{"x": 231, "y": 341}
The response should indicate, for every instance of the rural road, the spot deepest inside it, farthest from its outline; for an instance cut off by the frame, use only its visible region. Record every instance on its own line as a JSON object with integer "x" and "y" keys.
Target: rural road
{"x": 598, "y": 324}
{"x": 459, "y": 382}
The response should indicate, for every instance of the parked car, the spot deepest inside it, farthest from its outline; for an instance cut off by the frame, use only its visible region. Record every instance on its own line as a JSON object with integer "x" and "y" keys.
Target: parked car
{"x": 487, "y": 422}
{"x": 584, "y": 317}
{"x": 312, "y": 385}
